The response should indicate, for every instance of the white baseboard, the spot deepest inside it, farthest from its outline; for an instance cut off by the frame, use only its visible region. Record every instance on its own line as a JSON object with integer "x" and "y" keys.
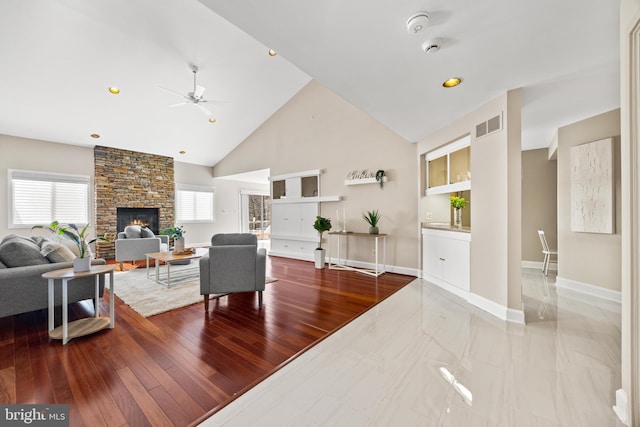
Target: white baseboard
{"x": 491, "y": 307}
{"x": 538, "y": 265}
{"x": 388, "y": 268}
{"x": 621, "y": 406}
{"x": 369, "y": 265}
{"x": 588, "y": 289}
{"x": 498, "y": 310}
{"x": 447, "y": 287}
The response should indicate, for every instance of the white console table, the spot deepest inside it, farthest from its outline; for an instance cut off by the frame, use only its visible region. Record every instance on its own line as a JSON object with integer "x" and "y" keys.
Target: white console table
{"x": 341, "y": 264}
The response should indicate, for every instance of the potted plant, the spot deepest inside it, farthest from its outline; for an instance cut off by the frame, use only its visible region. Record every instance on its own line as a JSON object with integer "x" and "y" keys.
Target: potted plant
{"x": 320, "y": 225}
{"x": 457, "y": 203}
{"x": 177, "y": 233}
{"x": 79, "y": 237}
{"x": 372, "y": 218}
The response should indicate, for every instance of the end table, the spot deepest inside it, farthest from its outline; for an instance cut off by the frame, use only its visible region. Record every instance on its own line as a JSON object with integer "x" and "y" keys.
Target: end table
{"x": 86, "y": 326}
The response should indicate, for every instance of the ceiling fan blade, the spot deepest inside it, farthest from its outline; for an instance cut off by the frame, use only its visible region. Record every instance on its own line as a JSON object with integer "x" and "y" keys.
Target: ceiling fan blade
{"x": 214, "y": 102}
{"x": 204, "y": 110}
{"x": 179, "y": 104}
{"x": 173, "y": 92}
{"x": 199, "y": 91}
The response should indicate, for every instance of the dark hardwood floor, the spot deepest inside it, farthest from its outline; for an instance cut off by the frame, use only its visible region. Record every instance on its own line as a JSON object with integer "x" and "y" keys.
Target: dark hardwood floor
{"x": 179, "y": 367}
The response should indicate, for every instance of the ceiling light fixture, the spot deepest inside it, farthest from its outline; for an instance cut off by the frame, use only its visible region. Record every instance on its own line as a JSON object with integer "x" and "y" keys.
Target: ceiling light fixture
{"x": 95, "y": 136}
{"x": 212, "y": 120}
{"x": 272, "y": 52}
{"x": 114, "y": 90}
{"x": 183, "y": 152}
{"x": 452, "y": 82}
{"x": 417, "y": 22}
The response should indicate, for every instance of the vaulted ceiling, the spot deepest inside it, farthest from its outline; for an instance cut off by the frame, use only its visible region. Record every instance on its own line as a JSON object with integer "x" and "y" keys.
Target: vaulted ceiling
{"x": 58, "y": 59}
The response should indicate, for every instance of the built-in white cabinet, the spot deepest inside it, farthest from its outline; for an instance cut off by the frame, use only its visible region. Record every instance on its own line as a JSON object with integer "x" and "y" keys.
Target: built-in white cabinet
{"x": 446, "y": 259}
{"x": 449, "y": 168}
{"x": 295, "y": 203}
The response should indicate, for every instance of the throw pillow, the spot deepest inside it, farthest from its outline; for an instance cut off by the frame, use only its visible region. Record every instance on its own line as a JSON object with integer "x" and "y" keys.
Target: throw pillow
{"x": 133, "y": 231}
{"x": 57, "y": 252}
{"x": 70, "y": 244}
{"x": 20, "y": 251}
{"x": 146, "y": 232}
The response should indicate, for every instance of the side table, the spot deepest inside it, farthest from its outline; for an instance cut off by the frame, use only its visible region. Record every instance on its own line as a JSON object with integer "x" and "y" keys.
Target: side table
{"x": 86, "y": 326}
{"x": 341, "y": 264}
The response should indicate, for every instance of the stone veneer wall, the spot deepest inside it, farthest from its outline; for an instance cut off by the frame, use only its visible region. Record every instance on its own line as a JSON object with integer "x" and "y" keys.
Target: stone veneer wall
{"x": 128, "y": 179}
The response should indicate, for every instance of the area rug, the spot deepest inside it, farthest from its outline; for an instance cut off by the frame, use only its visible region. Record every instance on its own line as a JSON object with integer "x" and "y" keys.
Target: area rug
{"x": 148, "y": 298}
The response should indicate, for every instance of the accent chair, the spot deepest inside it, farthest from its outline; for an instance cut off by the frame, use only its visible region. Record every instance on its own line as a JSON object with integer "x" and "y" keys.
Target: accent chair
{"x": 234, "y": 264}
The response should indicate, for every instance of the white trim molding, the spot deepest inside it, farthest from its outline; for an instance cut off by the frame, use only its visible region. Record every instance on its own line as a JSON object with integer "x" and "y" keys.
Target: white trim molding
{"x": 538, "y": 265}
{"x": 588, "y": 289}
{"x": 498, "y": 310}
{"x": 621, "y": 407}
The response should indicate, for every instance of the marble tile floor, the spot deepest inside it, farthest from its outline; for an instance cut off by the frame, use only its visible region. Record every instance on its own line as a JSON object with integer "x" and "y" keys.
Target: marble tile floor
{"x": 424, "y": 357}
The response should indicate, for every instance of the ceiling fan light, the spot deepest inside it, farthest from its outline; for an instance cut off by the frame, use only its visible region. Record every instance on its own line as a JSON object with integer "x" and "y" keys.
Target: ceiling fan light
{"x": 452, "y": 82}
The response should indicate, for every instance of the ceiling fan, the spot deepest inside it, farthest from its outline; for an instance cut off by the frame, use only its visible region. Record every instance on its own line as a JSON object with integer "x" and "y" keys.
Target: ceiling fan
{"x": 195, "y": 97}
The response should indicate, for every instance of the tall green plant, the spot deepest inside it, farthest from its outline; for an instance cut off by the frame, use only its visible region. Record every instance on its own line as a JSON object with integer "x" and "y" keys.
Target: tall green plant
{"x": 321, "y": 225}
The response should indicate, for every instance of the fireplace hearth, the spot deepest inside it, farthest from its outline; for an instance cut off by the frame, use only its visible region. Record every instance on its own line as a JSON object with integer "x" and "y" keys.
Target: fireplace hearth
{"x": 147, "y": 217}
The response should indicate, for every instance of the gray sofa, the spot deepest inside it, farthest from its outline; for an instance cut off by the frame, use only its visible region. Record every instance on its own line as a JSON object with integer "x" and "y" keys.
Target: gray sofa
{"x": 23, "y": 260}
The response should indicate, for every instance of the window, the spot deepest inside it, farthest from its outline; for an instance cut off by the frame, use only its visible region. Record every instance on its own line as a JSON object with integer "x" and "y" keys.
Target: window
{"x": 41, "y": 197}
{"x": 194, "y": 203}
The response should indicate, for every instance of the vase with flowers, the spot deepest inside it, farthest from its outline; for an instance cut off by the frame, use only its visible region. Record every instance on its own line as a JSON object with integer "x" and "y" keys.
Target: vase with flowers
{"x": 457, "y": 203}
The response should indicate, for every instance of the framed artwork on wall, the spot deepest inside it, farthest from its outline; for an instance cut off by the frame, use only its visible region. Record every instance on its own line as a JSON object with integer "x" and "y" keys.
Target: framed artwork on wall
{"x": 592, "y": 187}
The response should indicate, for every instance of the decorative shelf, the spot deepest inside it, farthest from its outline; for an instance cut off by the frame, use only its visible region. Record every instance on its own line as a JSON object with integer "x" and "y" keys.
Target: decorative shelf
{"x": 306, "y": 199}
{"x": 364, "y": 181}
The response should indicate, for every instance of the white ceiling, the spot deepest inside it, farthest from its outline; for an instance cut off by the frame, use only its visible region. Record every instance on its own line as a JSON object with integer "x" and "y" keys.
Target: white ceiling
{"x": 57, "y": 60}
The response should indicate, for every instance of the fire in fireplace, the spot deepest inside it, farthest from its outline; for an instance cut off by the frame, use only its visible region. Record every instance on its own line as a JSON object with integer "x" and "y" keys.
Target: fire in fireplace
{"x": 147, "y": 217}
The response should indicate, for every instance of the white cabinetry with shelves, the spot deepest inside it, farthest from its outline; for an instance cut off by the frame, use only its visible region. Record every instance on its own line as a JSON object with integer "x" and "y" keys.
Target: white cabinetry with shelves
{"x": 295, "y": 203}
{"x": 449, "y": 168}
{"x": 446, "y": 260}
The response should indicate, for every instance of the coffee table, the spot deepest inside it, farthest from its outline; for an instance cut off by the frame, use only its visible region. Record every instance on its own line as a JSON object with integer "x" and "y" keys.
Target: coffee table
{"x": 85, "y": 326}
{"x": 170, "y": 258}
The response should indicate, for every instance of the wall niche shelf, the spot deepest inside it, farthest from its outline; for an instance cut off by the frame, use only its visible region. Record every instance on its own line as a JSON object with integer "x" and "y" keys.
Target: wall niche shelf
{"x": 364, "y": 181}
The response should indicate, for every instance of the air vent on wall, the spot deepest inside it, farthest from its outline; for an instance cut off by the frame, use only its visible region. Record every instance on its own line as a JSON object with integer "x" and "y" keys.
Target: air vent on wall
{"x": 494, "y": 124}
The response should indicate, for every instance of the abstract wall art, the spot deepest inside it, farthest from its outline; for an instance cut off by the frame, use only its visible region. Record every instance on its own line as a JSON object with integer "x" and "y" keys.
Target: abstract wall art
{"x": 592, "y": 187}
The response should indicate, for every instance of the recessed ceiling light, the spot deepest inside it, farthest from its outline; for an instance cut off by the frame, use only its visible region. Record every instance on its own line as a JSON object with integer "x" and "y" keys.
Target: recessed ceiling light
{"x": 95, "y": 136}
{"x": 272, "y": 52}
{"x": 114, "y": 90}
{"x": 212, "y": 120}
{"x": 183, "y": 152}
{"x": 453, "y": 82}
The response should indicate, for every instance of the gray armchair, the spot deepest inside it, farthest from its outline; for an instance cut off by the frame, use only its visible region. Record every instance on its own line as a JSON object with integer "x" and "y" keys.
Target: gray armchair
{"x": 134, "y": 242}
{"x": 234, "y": 264}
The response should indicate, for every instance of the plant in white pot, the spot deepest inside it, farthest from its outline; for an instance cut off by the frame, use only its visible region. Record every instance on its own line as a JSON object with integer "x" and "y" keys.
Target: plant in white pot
{"x": 79, "y": 237}
{"x": 320, "y": 225}
{"x": 177, "y": 233}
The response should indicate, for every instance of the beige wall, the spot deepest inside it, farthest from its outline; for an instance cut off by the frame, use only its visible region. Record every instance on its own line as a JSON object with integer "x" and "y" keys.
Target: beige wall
{"x": 317, "y": 129}
{"x": 35, "y": 155}
{"x": 590, "y": 258}
{"x": 539, "y": 202}
{"x": 496, "y": 189}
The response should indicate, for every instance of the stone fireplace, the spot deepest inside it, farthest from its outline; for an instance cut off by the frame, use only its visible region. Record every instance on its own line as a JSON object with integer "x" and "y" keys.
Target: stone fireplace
{"x": 128, "y": 179}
